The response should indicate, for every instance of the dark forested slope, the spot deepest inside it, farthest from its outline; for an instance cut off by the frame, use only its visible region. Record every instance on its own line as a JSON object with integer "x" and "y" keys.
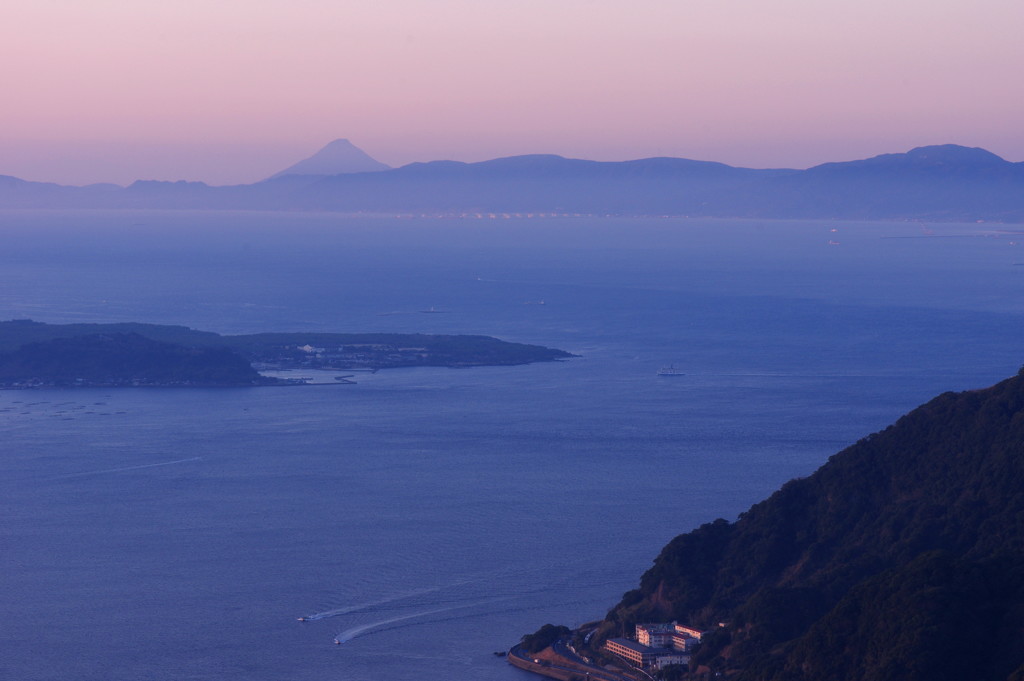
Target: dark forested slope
{"x": 122, "y": 359}
{"x": 901, "y": 558}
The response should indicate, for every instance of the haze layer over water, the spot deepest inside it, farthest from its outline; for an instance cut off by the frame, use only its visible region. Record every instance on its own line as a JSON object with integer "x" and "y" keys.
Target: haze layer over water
{"x": 429, "y": 517}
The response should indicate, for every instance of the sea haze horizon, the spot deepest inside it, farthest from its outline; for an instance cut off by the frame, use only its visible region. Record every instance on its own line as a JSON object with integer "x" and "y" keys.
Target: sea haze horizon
{"x": 341, "y": 156}
{"x": 945, "y": 182}
{"x": 430, "y": 517}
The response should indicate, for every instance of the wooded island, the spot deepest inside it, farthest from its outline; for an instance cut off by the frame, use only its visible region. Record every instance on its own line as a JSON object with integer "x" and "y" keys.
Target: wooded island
{"x": 34, "y": 354}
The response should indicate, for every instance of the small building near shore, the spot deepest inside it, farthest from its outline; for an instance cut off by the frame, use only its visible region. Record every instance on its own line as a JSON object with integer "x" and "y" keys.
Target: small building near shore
{"x": 689, "y": 632}
{"x": 655, "y": 635}
{"x": 662, "y": 661}
{"x": 635, "y": 653}
{"x": 669, "y": 635}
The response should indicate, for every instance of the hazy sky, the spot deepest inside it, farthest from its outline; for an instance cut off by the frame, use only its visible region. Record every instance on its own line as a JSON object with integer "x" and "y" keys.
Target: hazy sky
{"x": 233, "y": 90}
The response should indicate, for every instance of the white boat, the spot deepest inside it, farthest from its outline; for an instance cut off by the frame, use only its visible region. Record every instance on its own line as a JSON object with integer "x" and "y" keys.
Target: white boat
{"x": 670, "y": 370}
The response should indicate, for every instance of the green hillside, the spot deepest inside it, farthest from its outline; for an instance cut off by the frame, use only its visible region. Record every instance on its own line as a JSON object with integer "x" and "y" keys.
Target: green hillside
{"x": 902, "y": 558}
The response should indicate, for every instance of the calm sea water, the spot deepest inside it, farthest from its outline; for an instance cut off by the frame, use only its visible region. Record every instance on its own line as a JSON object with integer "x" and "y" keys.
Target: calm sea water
{"x": 429, "y": 517}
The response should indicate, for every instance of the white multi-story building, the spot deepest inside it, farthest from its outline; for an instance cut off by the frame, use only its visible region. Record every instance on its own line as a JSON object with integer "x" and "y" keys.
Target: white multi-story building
{"x": 682, "y": 643}
{"x": 655, "y": 635}
{"x": 662, "y": 661}
{"x": 685, "y": 639}
{"x": 657, "y": 645}
{"x": 687, "y": 631}
{"x": 635, "y": 653}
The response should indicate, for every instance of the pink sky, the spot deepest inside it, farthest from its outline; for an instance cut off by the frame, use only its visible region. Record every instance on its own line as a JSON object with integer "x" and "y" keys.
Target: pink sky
{"x": 230, "y": 91}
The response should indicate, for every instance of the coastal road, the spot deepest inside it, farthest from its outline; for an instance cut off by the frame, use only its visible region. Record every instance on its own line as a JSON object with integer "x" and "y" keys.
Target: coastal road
{"x": 562, "y": 648}
{"x": 579, "y": 669}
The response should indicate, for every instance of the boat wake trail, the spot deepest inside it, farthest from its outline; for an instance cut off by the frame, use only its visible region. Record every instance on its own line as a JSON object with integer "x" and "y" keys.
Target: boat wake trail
{"x": 388, "y": 600}
{"x": 366, "y": 606}
{"x": 127, "y": 468}
{"x": 349, "y": 634}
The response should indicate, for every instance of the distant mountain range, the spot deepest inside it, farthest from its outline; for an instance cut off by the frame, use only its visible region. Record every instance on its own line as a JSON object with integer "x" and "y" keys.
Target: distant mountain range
{"x": 938, "y": 183}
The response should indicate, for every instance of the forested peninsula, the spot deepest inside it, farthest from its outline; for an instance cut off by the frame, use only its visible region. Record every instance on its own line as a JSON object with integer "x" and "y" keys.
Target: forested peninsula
{"x": 900, "y": 559}
{"x": 34, "y": 354}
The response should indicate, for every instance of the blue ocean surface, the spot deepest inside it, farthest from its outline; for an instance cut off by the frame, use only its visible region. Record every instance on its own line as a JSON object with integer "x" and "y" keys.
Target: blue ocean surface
{"x": 426, "y": 518}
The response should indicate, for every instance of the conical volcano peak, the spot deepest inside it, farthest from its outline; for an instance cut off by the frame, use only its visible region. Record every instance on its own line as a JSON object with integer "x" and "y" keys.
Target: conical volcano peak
{"x": 336, "y": 158}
